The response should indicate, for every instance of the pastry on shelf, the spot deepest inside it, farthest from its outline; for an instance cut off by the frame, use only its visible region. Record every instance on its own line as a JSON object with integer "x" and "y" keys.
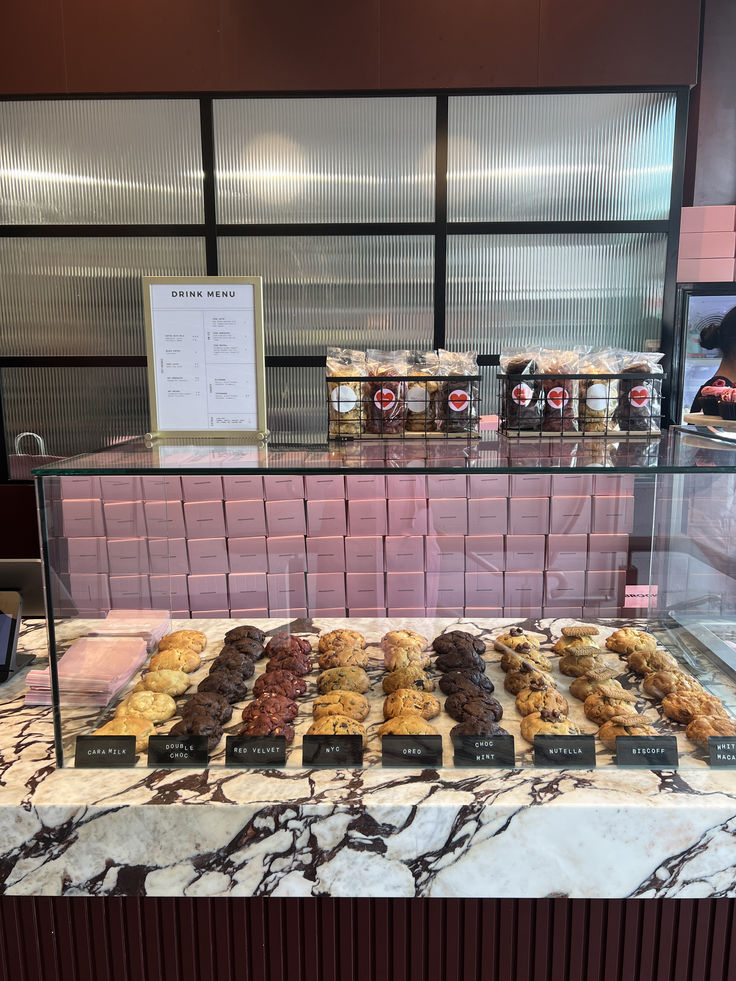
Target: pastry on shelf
{"x": 199, "y": 725}
{"x": 608, "y": 701}
{"x": 233, "y": 660}
{"x": 245, "y": 632}
{"x": 184, "y": 659}
{"x": 624, "y": 725}
{"x": 343, "y": 679}
{"x": 585, "y": 684}
{"x": 512, "y": 660}
{"x": 404, "y": 657}
{"x": 336, "y": 725}
{"x": 343, "y": 657}
{"x": 349, "y": 703}
{"x": 452, "y": 681}
{"x": 477, "y": 727}
{"x": 516, "y": 681}
{"x": 460, "y": 660}
{"x": 409, "y": 639}
{"x": 540, "y": 696}
{"x": 409, "y": 701}
{"x": 129, "y": 725}
{"x": 686, "y": 706}
{"x": 627, "y": 640}
{"x": 515, "y": 637}
{"x": 643, "y": 661}
{"x": 703, "y": 727}
{"x": 411, "y": 677}
{"x": 479, "y": 706}
{"x": 229, "y": 684}
{"x": 458, "y": 640}
{"x": 209, "y": 702}
{"x": 298, "y": 663}
{"x": 152, "y": 705}
{"x": 341, "y": 638}
{"x": 184, "y": 638}
{"x": 287, "y": 644}
{"x": 582, "y": 635}
{"x": 407, "y": 725}
{"x": 280, "y": 683}
{"x": 168, "y": 682}
{"x": 547, "y": 723}
{"x": 283, "y": 708}
{"x": 580, "y": 660}
{"x": 661, "y": 683}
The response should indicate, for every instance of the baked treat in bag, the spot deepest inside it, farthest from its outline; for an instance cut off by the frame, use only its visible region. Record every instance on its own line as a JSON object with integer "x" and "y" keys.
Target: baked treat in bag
{"x": 344, "y": 397}
{"x": 458, "y": 398}
{"x": 559, "y": 393}
{"x": 639, "y": 406}
{"x": 384, "y": 396}
{"x": 522, "y": 403}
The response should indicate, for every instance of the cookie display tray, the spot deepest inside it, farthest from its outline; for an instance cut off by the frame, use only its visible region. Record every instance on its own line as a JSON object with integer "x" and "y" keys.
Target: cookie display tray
{"x": 692, "y": 655}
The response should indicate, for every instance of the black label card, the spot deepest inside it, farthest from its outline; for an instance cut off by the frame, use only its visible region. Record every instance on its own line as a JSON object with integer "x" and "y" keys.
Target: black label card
{"x": 722, "y": 750}
{"x": 564, "y": 751}
{"x": 255, "y": 750}
{"x": 479, "y": 751}
{"x": 651, "y": 752}
{"x": 332, "y": 751}
{"x": 422, "y": 751}
{"x": 104, "y": 751}
{"x": 174, "y": 751}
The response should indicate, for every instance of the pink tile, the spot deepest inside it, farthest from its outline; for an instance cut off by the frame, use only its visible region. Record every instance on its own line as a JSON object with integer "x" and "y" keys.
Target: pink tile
{"x": 562, "y": 611}
{"x": 210, "y": 614}
{"x": 168, "y": 556}
{"x": 284, "y": 488}
{"x": 336, "y": 611}
{"x": 523, "y": 589}
{"x": 242, "y": 487}
{"x": 444, "y": 485}
{"x": 285, "y": 518}
{"x": 247, "y": 591}
{"x": 286, "y": 554}
{"x": 612, "y": 515}
{"x": 324, "y": 487}
{"x": 606, "y": 484}
{"x": 405, "y": 589}
{"x": 325, "y": 590}
{"x": 606, "y": 588}
{"x": 326, "y": 554}
{"x": 170, "y": 590}
{"x": 204, "y": 519}
{"x": 407, "y": 517}
{"x": 448, "y": 516}
{"x": 79, "y": 488}
{"x": 247, "y": 554}
{"x": 370, "y": 613}
{"x": 90, "y": 592}
{"x": 485, "y": 613}
{"x": 567, "y": 552}
{"x": 404, "y": 553}
{"x": 128, "y": 556}
{"x": 484, "y": 590}
{"x": 286, "y": 591}
{"x": 202, "y": 487}
{"x": 130, "y": 592}
{"x": 488, "y": 516}
{"x": 564, "y": 588}
{"x": 569, "y": 515}
{"x": 608, "y": 552}
{"x": 125, "y": 519}
{"x": 298, "y": 612}
{"x": 164, "y": 519}
{"x": 365, "y": 487}
{"x": 208, "y": 592}
{"x": 181, "y": 614}
{"x": 409, "y": 485}
{"x": 365, "y": 589}
{"x": 485, "y": 485}
{"x": 530, "y": 485}
{"x": 710, "y": 218}
{"x": 445, "y": 611}
{"x": 161, "y": 487}
{"x": 87, "y": 555}
{"x": 572, "y": 484}
{"x": 525, "y": 553}
{"x": 444, "y": 589}
{"x": 82, "y": 519}
{"x": 326, "y": 518}
{"x": 529, "y": 516}
{"x": 409, "y": 612}
{"x": 245, "y": 519}
{"x": 122, "y": 488}
{"x": 208, "y": 555}
{"x": 484, "y": 553}
{"x": 367, "y": 517}
{"x": 707, "y": 245}
{"x": 445, "y": 553}
{"x": 364, "y": 554}
{"x": 706, "y": 270}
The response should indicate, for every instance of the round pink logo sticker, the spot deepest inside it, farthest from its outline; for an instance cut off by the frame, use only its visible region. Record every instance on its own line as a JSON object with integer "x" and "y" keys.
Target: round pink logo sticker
{"x": 458, "y": 400}
{"x": 522, "y": 394}
{"x": 384, "y": 399}
{"x": 557, "y": 398}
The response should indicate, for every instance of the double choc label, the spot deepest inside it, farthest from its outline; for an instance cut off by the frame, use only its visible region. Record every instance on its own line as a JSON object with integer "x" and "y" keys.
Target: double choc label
{"x": 255, "y": 750}
{"x": 722, "y": 750}
{"x": 651, "y": 752}
{"x": 480, "y": 751}
{"x": 422, "y": 751}
{"x": 93, "y": 752}
{"x": 176, "y": 751}
{"x": 332, "y": 751}
{"x": 564, "y": 751}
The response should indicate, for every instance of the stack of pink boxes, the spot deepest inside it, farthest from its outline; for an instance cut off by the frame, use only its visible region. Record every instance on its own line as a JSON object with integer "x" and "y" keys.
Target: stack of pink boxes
{"x": 364, "y": 545}
{"x": 707, "y": 245}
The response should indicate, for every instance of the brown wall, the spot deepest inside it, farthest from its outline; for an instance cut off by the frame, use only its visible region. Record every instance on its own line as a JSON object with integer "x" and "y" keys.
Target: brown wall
{"x": 88, "y": 46}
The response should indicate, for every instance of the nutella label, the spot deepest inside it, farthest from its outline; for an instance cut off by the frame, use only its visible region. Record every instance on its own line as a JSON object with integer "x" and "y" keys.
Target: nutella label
{"x": 650, "y": 752}
{"x": 178, "y": 751}
{"x": 482, "y": 751}
{"x": 252, "y": 751}
{"x": 564, "y": 752}
{"x": 343, "y": 399}
{"x": 334, "y": 751}
{"x": 103, "y": 752}
{"x": 420, "y": 751}
{"x": 722, "y": 751}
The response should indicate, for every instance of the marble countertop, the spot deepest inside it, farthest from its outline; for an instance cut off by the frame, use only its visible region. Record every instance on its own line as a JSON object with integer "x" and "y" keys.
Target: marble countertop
{"x": 373, "y": 832}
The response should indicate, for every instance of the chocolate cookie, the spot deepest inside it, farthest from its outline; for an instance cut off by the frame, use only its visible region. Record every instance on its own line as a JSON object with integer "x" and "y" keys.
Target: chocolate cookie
{"x": 251, "y": 648}
{"x": 299, "y": 664}
{"x": 458, "y": 640}
{"x": 199, "y": 725}
{"x": 229, "y": 684}
{"x": 264, "y": 724}
{"x": 460, "y": 660}
{"x": 477, "y": 727}
{"x": 211, "y": 704}
{"x": 280, "y": 683}
{"x": 471, "y": 681}
{"x": 234, "y": 661}
{"x": 343, "y": 679}
{"x": 281, "y": 708}
{"x": 287, "y": 644}
{"x": 246, "y": 631}
{"x": 480, "y": 707}
{"x": 411, "y": 677}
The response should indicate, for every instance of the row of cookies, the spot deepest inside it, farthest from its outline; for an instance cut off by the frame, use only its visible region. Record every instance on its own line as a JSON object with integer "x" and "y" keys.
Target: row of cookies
{"x": 409, "y": 703}
{"x": 341, "y": 707}
{"x": 275, "y": 707}
{"x": 470, "y": 701}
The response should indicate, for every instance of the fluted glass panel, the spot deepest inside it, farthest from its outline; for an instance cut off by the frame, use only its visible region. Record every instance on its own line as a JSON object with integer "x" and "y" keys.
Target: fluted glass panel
{"x": 551, "y": 290}
{"x": 550, "y": 157}
{"x": 296, "y": 403}
{"x": 345, "y": 291}
{"x": 92, "y": 162}
{"x": 83, "y": 295}
{"x": 324, "y": 160}
{"x": 75, "y": 410}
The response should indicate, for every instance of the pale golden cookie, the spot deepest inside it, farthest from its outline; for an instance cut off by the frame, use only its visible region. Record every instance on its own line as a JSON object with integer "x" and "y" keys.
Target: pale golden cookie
{"x": 606, "y": 702}
{"x": 404, "y": 638}
{"x": 169, "y": 682}
{"x": 546, "y": 723}
{"x": 688, "y": 706}
{"x": 624, "y": 725}
{"x": 343, "y": 637}
{"x": 661, "y": 683}
{"x": 343, "y": 679}
{"x": 535, "y": 699}
{"x": 411, "y": 677}
{"x": 407, "y": 725}
{"x": 586, "y": 684}
{"x": 336, "y": 725}
{"x": 404, "y": 657}
{"x": 514, "y": 638}
{"x": 152, "y": 705}
{"x": 409, "y": 701}
{"x": 644, "y": 662}
{"x": 349, "y": 703}
{"x": 184, "y": 638}
{"x": 564, "y": 644}
{"x": 627, "y": 640}
{"x": 343, "y": 657}
{"x": 705, "y": 726}
{"x": 527, "y": 675}
{"x": 512, "y": 661}
{"x": 183, "y": 659}
{"x": 581, "y": 660}
{"x": 129, "y": 725}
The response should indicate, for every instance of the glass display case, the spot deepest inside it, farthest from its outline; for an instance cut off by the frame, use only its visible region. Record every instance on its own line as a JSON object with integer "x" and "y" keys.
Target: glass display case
{"x": 547, "y": 534}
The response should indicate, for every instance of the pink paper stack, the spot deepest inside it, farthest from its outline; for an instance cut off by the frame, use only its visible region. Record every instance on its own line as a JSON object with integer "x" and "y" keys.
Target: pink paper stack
{"x": 151, "y": 625}
{"x": 91, "y": 672}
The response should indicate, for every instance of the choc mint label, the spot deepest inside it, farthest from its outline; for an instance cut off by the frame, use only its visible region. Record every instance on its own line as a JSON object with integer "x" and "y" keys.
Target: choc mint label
{"x": 480, "y": 751}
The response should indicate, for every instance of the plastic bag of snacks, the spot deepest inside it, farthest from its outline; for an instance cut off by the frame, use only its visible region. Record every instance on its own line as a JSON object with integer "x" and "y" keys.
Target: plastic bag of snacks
{"x": 344, "y": 398}
{"x": 598, "y": 397}
{"x": 458, "y": 399}
{"x": 522, "y": 408}
{"x": 420, "y": 396}
{"x": 639, "y": 406}
{"x": 558, "y": 393}
{"x": 384, "y": 401}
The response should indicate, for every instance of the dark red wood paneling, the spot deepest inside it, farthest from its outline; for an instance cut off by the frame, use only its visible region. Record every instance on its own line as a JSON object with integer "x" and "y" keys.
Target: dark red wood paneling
{"x": 32, "y": 47}
{"x": 19, "y": 539}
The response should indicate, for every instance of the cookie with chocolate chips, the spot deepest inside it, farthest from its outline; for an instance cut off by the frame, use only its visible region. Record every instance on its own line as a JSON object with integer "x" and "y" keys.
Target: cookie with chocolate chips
{"x": 479, "y": 707}
{"x": 280, "y": 683}
{"x": 512, "y": 660}
{"x": 471, "y": 681}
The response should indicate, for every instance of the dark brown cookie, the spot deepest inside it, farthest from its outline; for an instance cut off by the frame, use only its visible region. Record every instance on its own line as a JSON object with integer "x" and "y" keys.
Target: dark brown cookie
{"x": 211, "y": 703}
{"x": 251, "y": 648}
{"x": 460, "y": 660}
{"x": 245, "y": 632}
{"x": 229, "y": 684}
{"x": 281, "y": 708}
{"x": 234, "y": 661}
{"x": 280, "y": 683}
{"x": 473, "y": 707}
{"x": 299, "y": 664}
{"x": 263, "y": 724}
{"x": 199, "y": 725}
{"x": 458, "y": 640}
{"x": 477, "y": 727}
{"x": 287, "y": 644}
{"x": 471, "y": 681}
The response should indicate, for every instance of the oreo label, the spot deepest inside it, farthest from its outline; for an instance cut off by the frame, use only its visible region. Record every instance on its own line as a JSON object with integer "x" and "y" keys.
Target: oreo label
{"x": 421, "y": 751}
{"x": 639, "y": 396}
{"x": 557, "y": 398}
{"x": 103, "y": 752}
{"x": 458, "y": 400}
{"x": 522, "y": 394}
{"x": 343, "y": 399}
{"x": 255, "y": 751}
{"x": 384, "y": 399}
{"x": 482, "y": 751}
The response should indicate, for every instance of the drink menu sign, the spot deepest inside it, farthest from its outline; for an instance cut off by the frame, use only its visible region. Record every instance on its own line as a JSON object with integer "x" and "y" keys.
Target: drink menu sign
{"x": 204, "y": 338}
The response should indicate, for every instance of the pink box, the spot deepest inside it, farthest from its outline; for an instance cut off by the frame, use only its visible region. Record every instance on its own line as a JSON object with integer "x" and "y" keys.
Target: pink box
{"x": 261, "y": 613}
{"x": 208, "y": 592}
{"x": 445, "y": 553}
{"x": 529, "y": 516}
{"x": 569, "y": 515}
{"x": 128, "y": 557}
{"x": 523, "y": 589}
{"x": 484, "y": 589}
{"x": 168, "y": 556}
{"x": 564, "y": 588}
{"x": 530, "y": 485}
{"x": 599, "y": 610}
{"x": 208, "y": 555}
{"x": 242, "y": 487}
{"x": 484, "y": 553}
{"x": 606, "y": 588}
{"x": 326, "y": 518}
{"x": 79, "y": 488}
{"x": 367, "y": 517}
{"x": 364, "y": 554}
{"x": 488, "y": 516}
{"x": 285, "y": 518}
{"x": 286, "y": 554}
{"x": 325, "y": 590}
{"x": 286, "y": 591}
{"x": 285, "y": 487}
{"x": 365, "y": 487}
{"x": 247, "y": 554}
{"x": 445, "y": 611}
{"x": 612, "y": 515}
{"x": 562, "y": 611}
{"x": 204, "y": 519}
{"x": 404, "y": 553}
{"x": 82, "y": 519}
{"x": 444, "y": 485}
{"x": 122, "y": 488}
{"x": 486, "y": 613}
{"x": 130, "y": 592}
{"x": 371, "y": 613}
{"x": 326, "y": 554}
{"x": 410, "y": 612}
{"x": 405, "y": 589}
{"x": 403, "y": 486}
{"x": 407, "y": 517}
{"x": 164, "y": 519}
{"x": 87, "y": 555}
{"x": 711, "y": 218}
{"x": 245, "y": 519}
{"x": 610, "y": 484}
{"x": 707, "y": 245}
{"x": 706, "y": 270}
{"x": 444, "y": 590}
{"x": 365, "y": 589}
{"x": 571, "y": 484}
{"x": 202, "y": 487}
{"x": 247, "y": 591}
{"x": 324, "y": 487}
{"x": 448, "y": 516}
{"x": 125, "y": 519}
{"x": 486, "y": 485}
{"x": 608, "y": 553}
{"x": 161, "y": 487}
{"x": 336, "y": 611}
{"x": 297, "y": 613}
{"x": 567, "y": 552}
{"x": 169, "y": 590}
{"x": 90, "y": 592}
{"x": 525, "y": 553}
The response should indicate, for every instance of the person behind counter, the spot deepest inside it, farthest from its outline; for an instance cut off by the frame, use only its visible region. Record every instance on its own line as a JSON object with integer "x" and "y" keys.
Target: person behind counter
{"x": 722, "y": 337}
